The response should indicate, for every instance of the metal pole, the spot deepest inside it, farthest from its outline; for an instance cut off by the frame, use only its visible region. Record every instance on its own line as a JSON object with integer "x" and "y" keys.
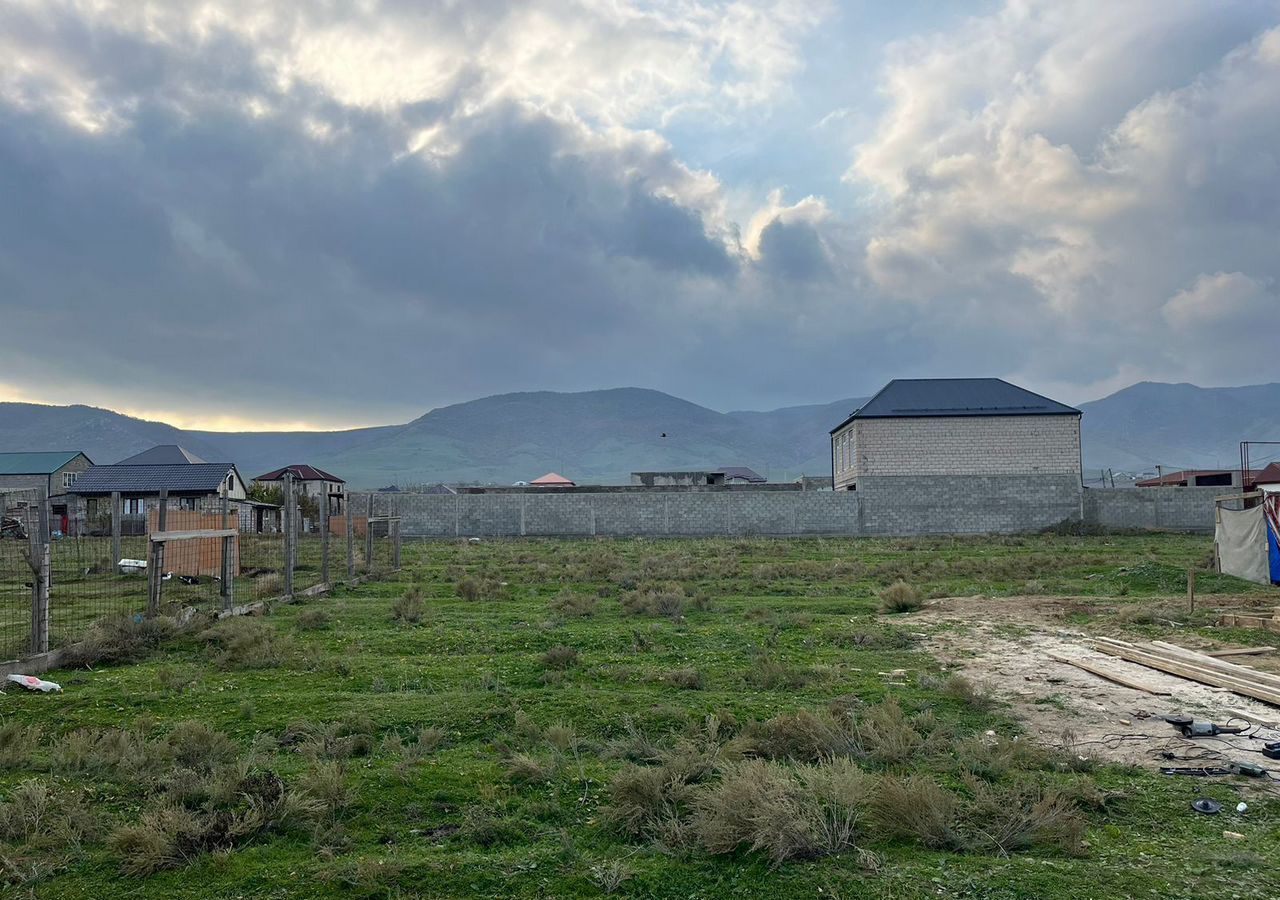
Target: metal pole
{"x": 290, "y": 533}
{"x": 40, "y": 582}
{"x": 115, "y": 531}
{"x": 351, "y": 541}
{"x": 324, "y": 536}
{"x": 368, "y": 537}
{"x": 227, "y": 550}
{"x": 155, "y": 568}
{"x": 395, "y": 538}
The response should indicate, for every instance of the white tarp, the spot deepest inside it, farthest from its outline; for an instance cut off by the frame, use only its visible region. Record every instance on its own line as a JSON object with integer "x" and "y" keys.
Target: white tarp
{"x": 1242, "y": 544}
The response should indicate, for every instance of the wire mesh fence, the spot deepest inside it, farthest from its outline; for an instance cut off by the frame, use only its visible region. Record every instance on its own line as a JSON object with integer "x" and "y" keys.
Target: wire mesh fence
{"x": 161, "y": 555}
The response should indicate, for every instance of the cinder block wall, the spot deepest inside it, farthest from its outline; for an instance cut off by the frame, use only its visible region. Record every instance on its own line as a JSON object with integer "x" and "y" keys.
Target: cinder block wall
{"x": 1173, "y": 508}
{"x": 958, "y": 445}
{"x": 886, "y": 506}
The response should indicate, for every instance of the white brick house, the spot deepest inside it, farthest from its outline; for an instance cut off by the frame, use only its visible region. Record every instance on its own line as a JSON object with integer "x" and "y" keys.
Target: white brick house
{"x": 955, "y": 427}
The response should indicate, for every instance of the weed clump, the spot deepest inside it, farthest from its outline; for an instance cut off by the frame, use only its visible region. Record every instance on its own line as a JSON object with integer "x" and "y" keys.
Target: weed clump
{"x": 771, "y": 674}
{"x": 900, "y": 597}
{"x": 242, "y": 642}
{"x": 665, "y": 602}
{"x": 686, "y": 679}
{"x": 560, "y": 658}
{"x": 570, "y": 604}
{"x": 119, "y": 639}
{"x": 407, "y": 609}
{"x": 313, "y": 620}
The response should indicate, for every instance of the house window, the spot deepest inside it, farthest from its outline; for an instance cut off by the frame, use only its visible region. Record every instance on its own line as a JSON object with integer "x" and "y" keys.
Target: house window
{"x": 186, "y": 503}
{"x": 69, "y": 478}
{"x": 133, "y": 506}
{"x": 231, "y": 482}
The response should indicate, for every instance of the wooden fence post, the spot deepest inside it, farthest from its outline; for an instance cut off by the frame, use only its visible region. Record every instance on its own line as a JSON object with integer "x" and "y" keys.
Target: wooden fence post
{"x": 290, "y": 533}
{"x": 155, "y": 559}
{"x": 351, "y": 541}
{"x": 116, "y": 512}
{"x": 1191, "y": 590}
{"x": 324, "y": 536}
{"x": 368, "y": 537}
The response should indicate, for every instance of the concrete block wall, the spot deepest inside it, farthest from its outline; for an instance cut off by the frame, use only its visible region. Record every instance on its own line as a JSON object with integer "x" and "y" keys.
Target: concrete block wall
{"x": 971, "y": 446}
{"x": 974, "y": 504}
{"x": 1172, "y": 508}
{"x": 885, "y": 506}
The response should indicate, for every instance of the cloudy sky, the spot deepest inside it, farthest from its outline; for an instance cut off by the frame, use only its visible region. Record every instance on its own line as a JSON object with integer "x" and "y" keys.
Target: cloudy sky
{"x": 226, "y": 213}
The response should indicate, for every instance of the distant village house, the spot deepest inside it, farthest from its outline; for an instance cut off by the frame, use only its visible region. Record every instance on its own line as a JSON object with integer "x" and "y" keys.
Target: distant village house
{"x": 311, "y": 482}
{"x": 53, "y": 471}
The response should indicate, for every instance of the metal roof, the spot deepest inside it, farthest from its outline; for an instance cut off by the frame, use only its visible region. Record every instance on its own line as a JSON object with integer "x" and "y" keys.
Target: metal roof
{"x": 39, "y": 462}
{"x": 163, "y": 455}
{"x": 553, "y": 479}
{"x": 302, "y": 472}
{"x": 731, "y": 472}
{"x": 933, "y": 397}
{"x": 188, "y": 478}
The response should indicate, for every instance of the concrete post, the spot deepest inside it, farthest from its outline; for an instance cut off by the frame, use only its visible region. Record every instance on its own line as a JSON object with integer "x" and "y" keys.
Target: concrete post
{"x": 368, "y": 536}
{"x": 324, "y": 537}
{"x": 290, "y": 533}
{"x": 351, "y": 542}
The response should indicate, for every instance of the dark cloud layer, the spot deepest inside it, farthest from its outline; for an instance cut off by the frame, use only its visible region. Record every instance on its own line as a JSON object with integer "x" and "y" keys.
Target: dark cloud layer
{"x": 258, "y": 220}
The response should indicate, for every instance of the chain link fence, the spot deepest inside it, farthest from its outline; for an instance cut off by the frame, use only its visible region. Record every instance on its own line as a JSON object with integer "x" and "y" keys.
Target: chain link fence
{"x": 161, "y": 555}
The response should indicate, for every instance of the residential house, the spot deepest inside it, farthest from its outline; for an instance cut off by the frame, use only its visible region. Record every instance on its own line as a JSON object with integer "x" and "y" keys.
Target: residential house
{"x": 313, "y": 482}
{"x": 53, "y": 471}
{"x": 1195, "y": 478}
{"x": 191, "y": 484}
{"x": 938, "y": 432}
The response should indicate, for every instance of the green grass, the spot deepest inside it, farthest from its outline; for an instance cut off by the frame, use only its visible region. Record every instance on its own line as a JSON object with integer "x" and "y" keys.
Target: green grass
{"x": 512, "y": 800}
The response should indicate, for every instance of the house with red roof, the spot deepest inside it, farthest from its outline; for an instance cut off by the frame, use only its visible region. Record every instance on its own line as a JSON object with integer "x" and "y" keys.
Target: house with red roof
{"x": 311, "y": 481}
{"x": 551, "y": 479}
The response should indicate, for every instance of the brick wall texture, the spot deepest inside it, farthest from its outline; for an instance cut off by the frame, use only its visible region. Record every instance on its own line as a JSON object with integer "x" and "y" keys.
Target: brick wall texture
{"x": 981, "y": 445}
{"x": 889, "y": 505}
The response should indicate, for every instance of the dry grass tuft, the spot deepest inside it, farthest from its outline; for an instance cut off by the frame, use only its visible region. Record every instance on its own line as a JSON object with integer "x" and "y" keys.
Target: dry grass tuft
{"x": 900, "y": 597}
{"x": 313, "y": 620}
{"x": 668, "y": 602}
{"x": 560, "y": 658}
{"x": 118, "y": 640}
{"x": 407, "y": 609}
{"x": 771, "y": 674}
{"x": 568, "y": 603}
{"x": 687, "y": 679}
{"x": 242, "y": 642}
{"x": 915, "y": 808}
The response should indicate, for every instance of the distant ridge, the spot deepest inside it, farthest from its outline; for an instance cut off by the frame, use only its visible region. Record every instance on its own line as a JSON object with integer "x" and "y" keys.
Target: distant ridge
{"x": 601, "y": 436}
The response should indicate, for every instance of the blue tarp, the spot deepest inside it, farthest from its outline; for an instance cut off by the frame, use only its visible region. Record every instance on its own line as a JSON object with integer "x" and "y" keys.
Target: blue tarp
{"x": 1273, "y": 554}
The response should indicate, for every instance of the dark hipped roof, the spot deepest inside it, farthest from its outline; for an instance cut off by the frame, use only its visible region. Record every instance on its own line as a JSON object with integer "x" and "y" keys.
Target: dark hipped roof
{"x": 188, "y": 478}
{"x": 163, "y": 455}
{"x": 37, "y": 462}
{"x": 933, "y": 397}
{"x": 301, "y": 472}
{"x": 742, "y": 472}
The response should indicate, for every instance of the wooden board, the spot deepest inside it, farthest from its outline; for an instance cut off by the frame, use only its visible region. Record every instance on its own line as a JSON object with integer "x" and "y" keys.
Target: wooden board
{"x": 1119, "y": 679}
{"x": 1240, "y": 651}
{"x": 1242, "y": 684}
{"x": 162, "y": 536}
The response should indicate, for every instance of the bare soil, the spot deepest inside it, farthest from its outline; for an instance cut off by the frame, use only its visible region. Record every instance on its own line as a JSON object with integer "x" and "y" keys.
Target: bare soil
{"x": 1004, "y": 645}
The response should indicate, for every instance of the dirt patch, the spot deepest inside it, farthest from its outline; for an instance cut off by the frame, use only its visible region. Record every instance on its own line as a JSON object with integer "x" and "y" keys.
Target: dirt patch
{"x": 1007, "y": 644}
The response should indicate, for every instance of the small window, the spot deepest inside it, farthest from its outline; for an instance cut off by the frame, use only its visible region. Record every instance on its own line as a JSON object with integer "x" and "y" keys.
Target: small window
{"x": 69, "y": 478}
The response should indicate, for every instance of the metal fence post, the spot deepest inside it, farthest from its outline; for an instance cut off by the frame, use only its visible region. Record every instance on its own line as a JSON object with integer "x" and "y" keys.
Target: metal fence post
{"x": 368, "y": 537}
{"x": 115, "y": 531}
{"x": 324, "y": 536}
{"x": 155, "y": 565}
{"x": 351, "y": 541}
{"x": 395, "y": 536}
{"x": 40, "y": 563}
{"x": 290, "y": 533}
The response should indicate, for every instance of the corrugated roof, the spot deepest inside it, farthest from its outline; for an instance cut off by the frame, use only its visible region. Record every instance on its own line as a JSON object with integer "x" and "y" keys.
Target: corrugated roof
{"x": 1269, "y": 475}
{"x": 934, "y": 397}
{"x": 302, "y": 472}
{"x": 188, "y": 478}
{"x": 36, "y": 462}
{"x": 163, "y": 455}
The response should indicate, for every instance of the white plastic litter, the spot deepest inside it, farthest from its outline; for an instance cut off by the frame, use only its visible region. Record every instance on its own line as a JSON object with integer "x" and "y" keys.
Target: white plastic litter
{"x": 32, "y": 683}
{"x": 132, "y": 566}
{"x": 1242, "y": 807}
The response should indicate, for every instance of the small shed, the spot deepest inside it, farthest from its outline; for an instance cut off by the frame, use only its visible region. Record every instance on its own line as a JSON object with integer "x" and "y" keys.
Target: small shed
{"x": 1247, "y": 536}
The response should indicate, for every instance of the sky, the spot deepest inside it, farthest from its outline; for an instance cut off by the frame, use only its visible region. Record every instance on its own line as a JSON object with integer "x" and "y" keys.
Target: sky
{"x": 235, "y": 215}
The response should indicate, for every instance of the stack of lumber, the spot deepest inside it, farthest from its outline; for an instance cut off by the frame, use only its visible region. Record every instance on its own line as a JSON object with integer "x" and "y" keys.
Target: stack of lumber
{"x": 1196, "y": 667}
{"x": 1239, "y": 621}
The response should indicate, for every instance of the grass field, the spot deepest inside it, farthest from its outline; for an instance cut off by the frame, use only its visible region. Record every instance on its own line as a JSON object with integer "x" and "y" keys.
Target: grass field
{"x": 644, "y": 718}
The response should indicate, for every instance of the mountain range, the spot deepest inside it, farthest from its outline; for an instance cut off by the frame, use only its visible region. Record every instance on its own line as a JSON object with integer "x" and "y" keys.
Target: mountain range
{"x": 602, "y": 436}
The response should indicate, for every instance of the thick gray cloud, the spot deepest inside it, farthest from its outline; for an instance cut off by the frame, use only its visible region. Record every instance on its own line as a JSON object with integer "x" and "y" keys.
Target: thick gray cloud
{"x": 214, "y": 210}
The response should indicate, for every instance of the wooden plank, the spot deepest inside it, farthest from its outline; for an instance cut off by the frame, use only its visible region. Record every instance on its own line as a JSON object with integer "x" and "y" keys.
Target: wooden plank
{"x": 1194, "y": 673}
{"x": 1218, "y": 665}
{"x": 162, "y": 536}
{"x": 1123, "y": 680}
{"x": 1241, "y": 651}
